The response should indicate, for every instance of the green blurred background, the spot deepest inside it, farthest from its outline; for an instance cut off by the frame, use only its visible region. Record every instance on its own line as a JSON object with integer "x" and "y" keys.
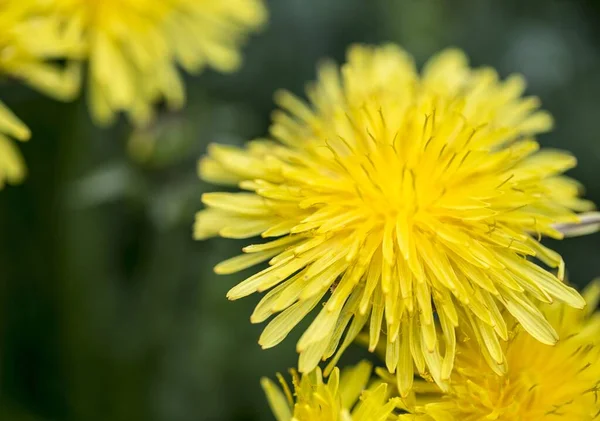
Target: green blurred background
{"x": 110, "y": 311}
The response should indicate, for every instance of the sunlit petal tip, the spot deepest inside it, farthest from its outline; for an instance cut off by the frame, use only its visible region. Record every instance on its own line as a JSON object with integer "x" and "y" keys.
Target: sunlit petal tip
{"x": 237, "y": 293}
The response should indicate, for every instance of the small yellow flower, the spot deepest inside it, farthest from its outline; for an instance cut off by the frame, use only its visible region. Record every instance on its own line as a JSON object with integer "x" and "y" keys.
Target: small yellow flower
{"x": 542, "y": 382}
{"x": 12, "y": 167}
{"x": 415, "y": 200}
{"x": 343, "y": 398}
{"x": 134, "y": 47}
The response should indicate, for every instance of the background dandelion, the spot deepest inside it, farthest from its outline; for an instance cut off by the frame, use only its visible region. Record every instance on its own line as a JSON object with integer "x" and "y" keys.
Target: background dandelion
{"x": 29, "y": 44}
{"x": 109, "y": 310}
{"x": 134, "y": 47}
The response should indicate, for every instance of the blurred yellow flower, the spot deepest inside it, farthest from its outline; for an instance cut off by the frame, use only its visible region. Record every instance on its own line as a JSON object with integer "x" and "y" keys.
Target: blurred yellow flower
{"x": 29, "y": 41}
{"x": 135, "y": 46}
{"x": 12, "y": 167}
{"x": 542, "y": 382}
{"x": 344, "y": 397}
{"x": 405, "y": 196}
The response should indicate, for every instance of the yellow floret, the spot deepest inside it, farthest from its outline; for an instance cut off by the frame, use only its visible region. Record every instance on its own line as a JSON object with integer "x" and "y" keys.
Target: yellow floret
{"x": 12, "y": 167}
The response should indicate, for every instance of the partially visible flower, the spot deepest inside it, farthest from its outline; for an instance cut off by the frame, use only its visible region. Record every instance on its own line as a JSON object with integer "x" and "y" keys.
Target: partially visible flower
{"x": 402, "y": 203}
{"x": 12, "y": 167}
{"x": 344, "y": 397}
{"x": 29, "y": 42}
{"x": 542, "y": 382}
{"x": 134, "y": 47}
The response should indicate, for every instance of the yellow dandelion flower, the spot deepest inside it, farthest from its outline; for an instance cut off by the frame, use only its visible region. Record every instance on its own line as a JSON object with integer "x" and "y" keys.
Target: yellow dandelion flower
{"x": 134, "y": 47}
{"x": 344, "y": 397}
{"x": 29, "y": 41}
{"x": 12, "y": 167}
{"x": 413, "y": 199}
{"x": 542, "y": 382}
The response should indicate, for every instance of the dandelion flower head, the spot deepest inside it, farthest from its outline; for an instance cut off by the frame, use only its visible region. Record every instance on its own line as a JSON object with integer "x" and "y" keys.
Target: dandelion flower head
{"x": 344, "y": 397}
{"x": 394, "y": 196}
{"x": 542, "y": 382}
{"x": 134, "y": 47}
